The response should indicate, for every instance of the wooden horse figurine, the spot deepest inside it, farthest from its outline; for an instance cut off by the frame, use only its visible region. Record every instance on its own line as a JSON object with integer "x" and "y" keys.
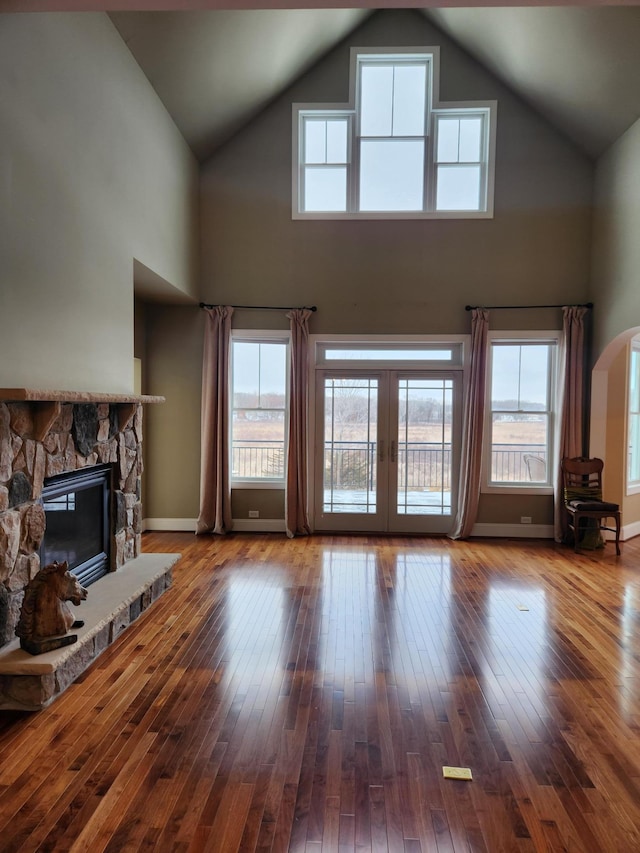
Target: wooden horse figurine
{"x": 46, "y": 617}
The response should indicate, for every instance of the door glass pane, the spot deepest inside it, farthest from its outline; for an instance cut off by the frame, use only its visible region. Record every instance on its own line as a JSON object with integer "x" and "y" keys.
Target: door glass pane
{"x": 350, "y": 445}
{"x": 424, "y": 446}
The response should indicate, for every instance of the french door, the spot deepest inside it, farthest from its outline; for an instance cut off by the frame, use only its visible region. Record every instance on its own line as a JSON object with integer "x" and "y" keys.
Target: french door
{"x": 387, "y": 450}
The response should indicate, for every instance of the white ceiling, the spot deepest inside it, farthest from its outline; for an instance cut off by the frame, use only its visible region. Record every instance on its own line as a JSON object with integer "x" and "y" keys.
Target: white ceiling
{"x": 215, "y": 69}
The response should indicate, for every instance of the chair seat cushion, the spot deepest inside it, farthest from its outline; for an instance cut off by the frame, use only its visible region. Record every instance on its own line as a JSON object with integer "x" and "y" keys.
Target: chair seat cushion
{"x": 593, "y": 506}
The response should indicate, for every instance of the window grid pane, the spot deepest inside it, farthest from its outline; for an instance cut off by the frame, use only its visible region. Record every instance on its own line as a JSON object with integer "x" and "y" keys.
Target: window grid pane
{"x": 458, "y": 188}
{"x": 350, "y": 445}
{"x": 337, "y": 137}
{"x": 315, "y": 141}
{"x": 520, "y": 414}
{"x": 376, "y": 100}
{"x": 409, "y": 92}
{"x": 258, "y": 415}
{"x": 325, "y": 141}
{"x": 325, "y": 188}
{"x": 391, "y": 174}
{"x": 459, "y": 140}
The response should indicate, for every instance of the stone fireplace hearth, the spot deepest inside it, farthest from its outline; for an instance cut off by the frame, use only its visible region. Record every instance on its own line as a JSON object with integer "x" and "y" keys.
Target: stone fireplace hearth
{"x": 44, "y": 434}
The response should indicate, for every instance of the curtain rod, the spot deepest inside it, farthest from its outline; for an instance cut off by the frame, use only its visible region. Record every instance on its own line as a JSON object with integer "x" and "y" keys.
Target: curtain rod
{"x": 261, "y": 307}
{"x": 500, "y": 307}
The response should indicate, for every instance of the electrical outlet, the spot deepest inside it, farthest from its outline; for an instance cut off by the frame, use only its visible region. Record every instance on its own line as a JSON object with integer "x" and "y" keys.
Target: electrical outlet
{"x": 254, "y": 513}
{"x": 525, "y": 519}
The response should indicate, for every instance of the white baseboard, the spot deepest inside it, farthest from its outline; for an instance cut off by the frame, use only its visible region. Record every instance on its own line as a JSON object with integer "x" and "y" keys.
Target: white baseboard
{"x": 240, "y": 525}
{"x": 179, "y": 524}
{"x": 277, "y": 525}
{"x": 514, "y": 531}
{"x": 258, "y": 525}
{"x": 628, "y": 531}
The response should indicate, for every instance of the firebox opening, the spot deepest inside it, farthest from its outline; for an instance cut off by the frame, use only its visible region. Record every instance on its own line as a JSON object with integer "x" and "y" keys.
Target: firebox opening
{"x": 78, "y": 521}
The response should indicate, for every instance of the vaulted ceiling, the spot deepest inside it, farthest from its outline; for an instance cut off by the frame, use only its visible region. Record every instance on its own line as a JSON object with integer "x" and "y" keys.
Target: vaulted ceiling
{"x": 215, "y": 69}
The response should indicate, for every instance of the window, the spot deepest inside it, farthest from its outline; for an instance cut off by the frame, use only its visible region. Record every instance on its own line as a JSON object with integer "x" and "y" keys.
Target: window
{"x": 258, "y": 413}
{"x": 325, "y": 163}
{"x": 633, "y": 443}
{"x": 460, "y": 162}
{"x": 394, "y": 150}
{"x": 520, "y": 413}
{"x": 411, "y": 353}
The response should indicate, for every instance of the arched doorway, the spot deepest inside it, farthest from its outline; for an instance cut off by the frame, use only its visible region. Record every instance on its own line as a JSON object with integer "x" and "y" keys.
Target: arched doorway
{"x": 608, "y": 426}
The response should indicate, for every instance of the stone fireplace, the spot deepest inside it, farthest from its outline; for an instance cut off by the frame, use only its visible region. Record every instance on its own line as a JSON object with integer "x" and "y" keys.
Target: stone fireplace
{"x": 47, "y": 434}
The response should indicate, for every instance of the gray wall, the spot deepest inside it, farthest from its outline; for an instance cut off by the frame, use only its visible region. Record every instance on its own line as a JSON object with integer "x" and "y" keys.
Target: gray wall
{"x": 174, "y": 339}
{"x": 616, "y": 248}
{"x": 616, "y": 294}
{"x": 404, "y": 276}
{"x": 93, "y": 174}
{"x": 397, "y": 276}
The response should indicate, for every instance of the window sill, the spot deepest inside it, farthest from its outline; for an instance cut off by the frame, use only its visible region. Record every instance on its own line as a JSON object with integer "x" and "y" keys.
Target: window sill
{"x": 515, "y": 489}
{"x": 392, "y": 214}
{"x": 278, "y": 485}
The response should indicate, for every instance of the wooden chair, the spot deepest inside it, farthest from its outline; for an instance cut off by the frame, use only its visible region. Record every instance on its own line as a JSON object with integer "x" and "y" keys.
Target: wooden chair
{"x": 582, "y": 481}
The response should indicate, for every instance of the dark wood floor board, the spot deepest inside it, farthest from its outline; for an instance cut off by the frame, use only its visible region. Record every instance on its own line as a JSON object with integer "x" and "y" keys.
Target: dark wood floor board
{"x": 36, "y": 796}
{"x": 294, "y": 695}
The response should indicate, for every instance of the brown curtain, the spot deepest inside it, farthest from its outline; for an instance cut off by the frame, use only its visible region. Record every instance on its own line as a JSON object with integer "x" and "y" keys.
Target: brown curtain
{"x": 215, "y": 496}
{"x": 296, "y": 517}
{"x": 571, "y": 401}
{"x": 470, "y": 478}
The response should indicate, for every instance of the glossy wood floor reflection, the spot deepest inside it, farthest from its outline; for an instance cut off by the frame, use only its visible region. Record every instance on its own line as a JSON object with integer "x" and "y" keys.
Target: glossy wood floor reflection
{"x": 304, "y": 695}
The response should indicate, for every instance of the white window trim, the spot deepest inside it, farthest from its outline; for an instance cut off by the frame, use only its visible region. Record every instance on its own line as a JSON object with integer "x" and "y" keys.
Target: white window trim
{"x": 435, "y": 106}
{"x": 520, "y": 337}
{"x": 633, "y": 486}
{"x": 255, "y": 337}
{"x": 458, "y": 344}
{"x": 316, "y": 365}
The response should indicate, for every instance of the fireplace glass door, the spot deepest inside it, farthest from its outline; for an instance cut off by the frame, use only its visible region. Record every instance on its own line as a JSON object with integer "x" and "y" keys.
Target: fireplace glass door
{"x": 76, "y": 506}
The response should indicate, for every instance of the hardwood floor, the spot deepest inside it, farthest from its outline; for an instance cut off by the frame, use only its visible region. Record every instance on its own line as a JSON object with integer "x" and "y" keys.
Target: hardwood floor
{"x": 304, "y": 695}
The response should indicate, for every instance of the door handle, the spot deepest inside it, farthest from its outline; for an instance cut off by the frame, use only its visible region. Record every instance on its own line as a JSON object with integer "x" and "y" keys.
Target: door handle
{"x": 381, "y": 448}
{"x": 393, "y": 451}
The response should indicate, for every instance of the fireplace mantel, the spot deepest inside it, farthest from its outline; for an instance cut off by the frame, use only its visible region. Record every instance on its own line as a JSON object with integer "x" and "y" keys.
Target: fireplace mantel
{"x": 35, "y": 395}
{"x": 47, "y": 403}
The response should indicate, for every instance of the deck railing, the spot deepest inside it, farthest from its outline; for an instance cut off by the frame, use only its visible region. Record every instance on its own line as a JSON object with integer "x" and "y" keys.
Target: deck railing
{"x": 252, "y": 460}
{"x": 427, "y": 465}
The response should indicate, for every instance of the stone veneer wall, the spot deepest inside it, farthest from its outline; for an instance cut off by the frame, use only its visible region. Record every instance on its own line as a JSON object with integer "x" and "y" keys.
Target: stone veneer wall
{"x": 82, "y": 435}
